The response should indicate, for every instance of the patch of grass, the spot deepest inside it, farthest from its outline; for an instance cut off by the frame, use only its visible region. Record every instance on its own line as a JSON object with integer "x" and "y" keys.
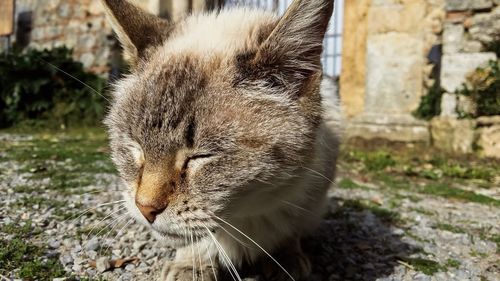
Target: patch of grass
{"x": 496, "y": 238}
{"x": 422, "y": 211}
{"x": 381, "y": 213}
{"x": 372, "y": 161}
{"x": 453, "y": 263}
{"x": 446, "y": 191}
{"x": 20, "y": 230}
{"x": 62, "y": 157}
{"x": 415, "y": 237}
{"x": 426, "y": 266}
{"x": 391, "y": 181}
{"x": 27, "y": 257}
{"x": 346, "y": 183}
{"x": 464, "y": 172}
{"x": 450, "y": 228}
{"x": 19, "y": 253}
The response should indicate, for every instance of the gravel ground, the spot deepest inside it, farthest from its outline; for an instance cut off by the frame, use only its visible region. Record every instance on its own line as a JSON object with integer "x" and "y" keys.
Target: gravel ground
{"x": 58, "y": 214}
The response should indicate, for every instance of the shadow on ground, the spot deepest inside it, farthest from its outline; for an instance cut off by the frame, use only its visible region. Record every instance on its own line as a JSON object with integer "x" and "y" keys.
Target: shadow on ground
{"x": 354, "y": 242}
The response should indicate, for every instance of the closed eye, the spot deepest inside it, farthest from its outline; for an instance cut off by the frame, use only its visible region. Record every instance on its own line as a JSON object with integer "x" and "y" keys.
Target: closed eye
{"x": 196, "y": 157}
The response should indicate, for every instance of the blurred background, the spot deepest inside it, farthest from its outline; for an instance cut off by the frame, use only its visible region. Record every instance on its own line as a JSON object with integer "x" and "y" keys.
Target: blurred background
{"x": 417, "y": 195}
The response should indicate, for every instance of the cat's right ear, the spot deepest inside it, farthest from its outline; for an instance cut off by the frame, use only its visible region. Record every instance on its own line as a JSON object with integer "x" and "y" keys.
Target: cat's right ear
{"x": 137, "y": 30}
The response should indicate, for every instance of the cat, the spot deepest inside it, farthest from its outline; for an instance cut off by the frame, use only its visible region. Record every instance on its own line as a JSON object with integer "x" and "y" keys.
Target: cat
{"x": 218, "y": 133}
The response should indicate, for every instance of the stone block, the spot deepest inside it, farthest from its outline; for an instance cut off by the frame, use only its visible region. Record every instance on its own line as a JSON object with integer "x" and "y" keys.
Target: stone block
{"x": 353, "y": 75}
{"x": 457, "y": 16}
{"x": 481, "y": 4}
{"x": 394, "y": 66}
{"x": 457, "y": 5}
{"x": 488, "y": 120}
{"x": 456, "y": 67}
{"x": 453, "y": 37}
{"x": 452, "y": 135}
{"x": 392, "y": 127}
{"x": 489, "y": 141}
{"x": 485, "y": 27}
{"x": 397, "y": 16}
{"x": 466, "y": 105}
{"x": 449, "y": 105}
{"x": 461, "y": 5}
{"x": 472, "y": 47}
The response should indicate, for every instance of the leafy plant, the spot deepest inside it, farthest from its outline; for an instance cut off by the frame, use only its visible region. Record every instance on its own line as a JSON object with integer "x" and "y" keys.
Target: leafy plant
{"x": 430, "y": 104}
{"x": 33, "y": 89}
{"x": 483, "y": 88}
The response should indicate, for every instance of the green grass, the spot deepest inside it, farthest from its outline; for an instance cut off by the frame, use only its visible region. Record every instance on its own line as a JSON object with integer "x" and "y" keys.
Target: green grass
{"x": 24, "y": 256}
{"x": 495, "y": 238}
{"x": 69, "y": 159}
{"x": 450, "y": 228}
{"x": 346, "y": 183}
{"x": 426, "y": 266}
{"x": 419, "y": 162}
{"x": 381, "y": 213}
{"x": 446, "y": 191}
{"x": 453, "y": 263}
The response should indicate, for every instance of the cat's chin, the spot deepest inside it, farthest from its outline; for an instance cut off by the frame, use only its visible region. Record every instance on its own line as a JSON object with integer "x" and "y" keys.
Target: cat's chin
{"x": 170, "y": 239}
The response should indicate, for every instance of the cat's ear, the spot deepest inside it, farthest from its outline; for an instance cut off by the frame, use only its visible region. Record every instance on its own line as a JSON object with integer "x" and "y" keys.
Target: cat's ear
{"x": 291, "y": 53}
{"x": 137, "y": 30}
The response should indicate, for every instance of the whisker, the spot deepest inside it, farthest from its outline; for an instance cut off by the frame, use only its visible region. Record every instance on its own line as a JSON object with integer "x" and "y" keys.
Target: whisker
{"x": 224, "y": 254}
{"x": 319, "y": 174}
{"x": 90, "y": 209}
{"x": 122, "y": 218}
{"x": 121, "y": 229}
{"x": 83, "y": 83}
{"x": 296, "y": 206}
{"x": 195, "y": 274}
{"x": 109, "y": 215}
{"x": 199, "y": 258}
{"x": 256, "y": 244}
{"x": 211, "y": 262}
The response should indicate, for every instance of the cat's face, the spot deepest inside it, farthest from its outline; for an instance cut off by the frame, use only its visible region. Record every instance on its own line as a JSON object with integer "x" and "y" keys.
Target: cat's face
{"x": 201, "y": 125}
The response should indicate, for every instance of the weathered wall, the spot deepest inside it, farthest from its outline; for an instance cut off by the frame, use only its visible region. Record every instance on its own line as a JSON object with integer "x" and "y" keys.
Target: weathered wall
{"x": 469, "y": 29}
{"x": 385, "y": 65}
{"x": 77, "y": 24}
{"x": 81, "y": 25}
{"x": 353, "y": 76}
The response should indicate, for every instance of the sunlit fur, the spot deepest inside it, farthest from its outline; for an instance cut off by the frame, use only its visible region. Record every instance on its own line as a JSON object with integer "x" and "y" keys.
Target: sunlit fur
{"x": 224, "y": 111}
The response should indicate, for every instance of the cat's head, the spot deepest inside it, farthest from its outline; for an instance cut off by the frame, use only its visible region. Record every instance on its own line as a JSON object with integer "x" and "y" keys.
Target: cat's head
{"x": 217, "y": 109}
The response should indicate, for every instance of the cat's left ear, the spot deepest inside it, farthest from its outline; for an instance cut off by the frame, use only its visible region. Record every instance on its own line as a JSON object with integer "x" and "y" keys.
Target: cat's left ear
{"x": 291, "y": 53}
{"x": 137, "y": 30}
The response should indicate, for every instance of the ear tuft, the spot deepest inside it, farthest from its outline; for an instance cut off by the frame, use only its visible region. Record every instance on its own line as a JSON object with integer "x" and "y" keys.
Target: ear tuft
{"x": 291, "y": 54}
{"x": 137, "y": 30}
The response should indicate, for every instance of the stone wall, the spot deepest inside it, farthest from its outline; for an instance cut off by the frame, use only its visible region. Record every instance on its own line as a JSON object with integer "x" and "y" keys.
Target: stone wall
{"x": 80, "y": 25}
{"x": 397, "y": 38}
{"x": 396, "y": 50}
{"x": 469, "y": 29}
{"x": 77, "y": 24}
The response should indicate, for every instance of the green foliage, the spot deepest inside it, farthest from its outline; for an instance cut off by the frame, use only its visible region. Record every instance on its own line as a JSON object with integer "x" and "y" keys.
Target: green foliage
{"x": 483, "y": 88}
{"x": 32, "y": 89}
{"x": 430, "y": 104}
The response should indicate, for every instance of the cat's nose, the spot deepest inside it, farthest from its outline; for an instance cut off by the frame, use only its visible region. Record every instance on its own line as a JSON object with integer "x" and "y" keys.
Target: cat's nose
{"x": 149, "y": 212}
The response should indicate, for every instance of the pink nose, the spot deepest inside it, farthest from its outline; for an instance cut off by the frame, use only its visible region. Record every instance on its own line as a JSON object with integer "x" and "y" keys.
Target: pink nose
{"x": 149, "y": 212}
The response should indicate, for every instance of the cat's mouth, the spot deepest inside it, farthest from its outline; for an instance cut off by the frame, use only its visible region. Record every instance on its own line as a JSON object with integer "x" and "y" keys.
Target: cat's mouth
{"x": 177, "y": 239}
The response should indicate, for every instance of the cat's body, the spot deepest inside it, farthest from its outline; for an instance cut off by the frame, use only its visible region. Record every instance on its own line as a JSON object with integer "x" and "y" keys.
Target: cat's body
{"x": 218, "y": 132}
